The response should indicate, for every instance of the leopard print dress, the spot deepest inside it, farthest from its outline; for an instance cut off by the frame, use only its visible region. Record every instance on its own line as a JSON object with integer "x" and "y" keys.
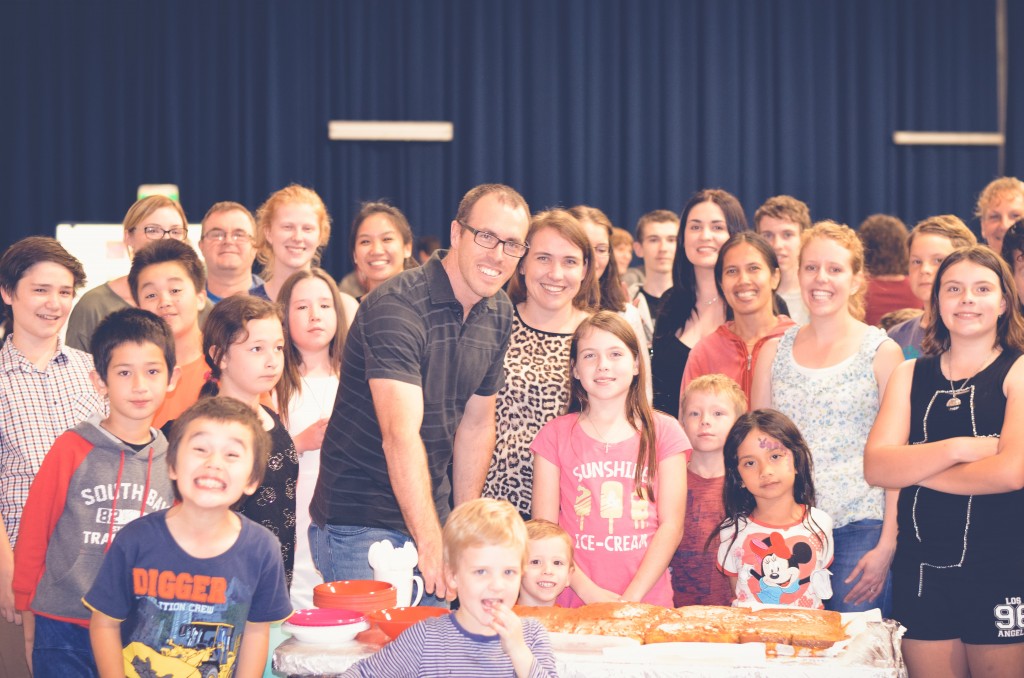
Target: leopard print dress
{"x": 536, "y": 390}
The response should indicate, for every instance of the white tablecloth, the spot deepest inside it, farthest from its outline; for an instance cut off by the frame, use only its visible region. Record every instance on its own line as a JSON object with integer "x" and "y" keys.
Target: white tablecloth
{"x": 873, "y": 653}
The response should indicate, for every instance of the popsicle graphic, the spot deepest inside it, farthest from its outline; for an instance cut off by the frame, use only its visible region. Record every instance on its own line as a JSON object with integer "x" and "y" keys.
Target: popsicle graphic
{"x": 611, "y": 502}
{"x": 583, "y": 503}
{"x": 639, "y": 510}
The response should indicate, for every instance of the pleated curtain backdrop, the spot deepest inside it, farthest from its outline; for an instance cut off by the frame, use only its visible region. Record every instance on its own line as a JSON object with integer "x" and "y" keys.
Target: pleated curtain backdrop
{"x": 626, "y": 105}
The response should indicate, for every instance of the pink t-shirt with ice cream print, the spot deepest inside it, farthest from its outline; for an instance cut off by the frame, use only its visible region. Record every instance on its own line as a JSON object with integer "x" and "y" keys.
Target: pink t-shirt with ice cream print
{"x": 611, "y": 527}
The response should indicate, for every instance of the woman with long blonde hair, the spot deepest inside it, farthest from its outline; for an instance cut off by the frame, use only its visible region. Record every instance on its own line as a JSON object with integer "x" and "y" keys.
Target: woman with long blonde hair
{"x": 828, "y": 376}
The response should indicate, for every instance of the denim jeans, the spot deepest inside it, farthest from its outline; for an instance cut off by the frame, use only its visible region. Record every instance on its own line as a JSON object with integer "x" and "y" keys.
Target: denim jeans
{"x": 851, "y": 542}
{"x": 62, "y": 649}
{"x": 340, "y": 552}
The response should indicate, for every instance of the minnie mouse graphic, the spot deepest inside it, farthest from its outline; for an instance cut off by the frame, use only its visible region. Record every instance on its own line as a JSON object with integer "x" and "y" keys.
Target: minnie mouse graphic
{"x": 780, "y": 567}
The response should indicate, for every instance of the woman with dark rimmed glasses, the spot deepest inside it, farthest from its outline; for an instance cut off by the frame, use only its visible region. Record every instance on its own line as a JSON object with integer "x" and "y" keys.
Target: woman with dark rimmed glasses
{"x": 150, "y": 219}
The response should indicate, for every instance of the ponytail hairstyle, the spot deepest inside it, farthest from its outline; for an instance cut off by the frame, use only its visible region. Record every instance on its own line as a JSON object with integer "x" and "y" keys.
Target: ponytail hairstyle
{"x": 397, "y": 219}
{"x": 142, "y": 209}
{"x": 846, "y": 237}
{"x": 638, "y": 410}
{"x": 226, "y": 325}
{"x": 771, "y": 261}
{"x": 291, "y": 194}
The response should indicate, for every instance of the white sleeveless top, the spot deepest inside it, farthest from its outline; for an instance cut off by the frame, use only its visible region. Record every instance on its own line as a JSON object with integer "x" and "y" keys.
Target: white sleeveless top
{"x": 834, "y": 408}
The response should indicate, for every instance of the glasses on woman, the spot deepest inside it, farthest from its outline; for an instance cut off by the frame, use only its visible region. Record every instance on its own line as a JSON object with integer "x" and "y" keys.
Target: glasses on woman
{"x": 158, "y": 233}
{"x": 490, "y": 241}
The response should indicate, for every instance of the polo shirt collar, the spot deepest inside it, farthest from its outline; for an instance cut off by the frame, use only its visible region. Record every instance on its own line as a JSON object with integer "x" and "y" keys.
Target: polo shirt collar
{"x": 439, "y": 286}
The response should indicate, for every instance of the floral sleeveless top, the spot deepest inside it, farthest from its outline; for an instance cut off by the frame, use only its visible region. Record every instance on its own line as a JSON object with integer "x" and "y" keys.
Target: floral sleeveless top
{"x": 834, "y": 408}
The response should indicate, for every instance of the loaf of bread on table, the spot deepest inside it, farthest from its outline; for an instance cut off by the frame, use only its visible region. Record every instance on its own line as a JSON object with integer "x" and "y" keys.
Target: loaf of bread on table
{"x": 815, "y": 629}
{"x": 624, "y": 620}
{"x": 554, "y": 619}
{"x": 699, "y": 624}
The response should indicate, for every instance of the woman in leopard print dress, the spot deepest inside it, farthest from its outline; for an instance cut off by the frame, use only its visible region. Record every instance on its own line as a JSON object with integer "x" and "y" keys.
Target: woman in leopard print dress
{"x": 553, "y": 290}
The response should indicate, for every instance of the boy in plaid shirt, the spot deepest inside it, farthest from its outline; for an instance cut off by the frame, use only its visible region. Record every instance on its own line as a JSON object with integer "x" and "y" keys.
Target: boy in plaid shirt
{"x": 44, "y": 390}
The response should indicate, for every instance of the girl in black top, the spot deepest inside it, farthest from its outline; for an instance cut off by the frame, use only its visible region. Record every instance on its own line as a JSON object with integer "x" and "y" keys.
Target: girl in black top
{"x": 243, "y": 342}
{"x": 948, "y": 434}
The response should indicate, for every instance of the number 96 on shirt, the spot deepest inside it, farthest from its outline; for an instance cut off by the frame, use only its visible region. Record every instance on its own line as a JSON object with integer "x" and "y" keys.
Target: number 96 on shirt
{"x": 1009, "y": 618}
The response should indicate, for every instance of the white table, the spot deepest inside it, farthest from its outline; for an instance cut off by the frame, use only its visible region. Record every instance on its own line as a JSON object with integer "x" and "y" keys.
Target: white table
{"x": 873, "y": 654}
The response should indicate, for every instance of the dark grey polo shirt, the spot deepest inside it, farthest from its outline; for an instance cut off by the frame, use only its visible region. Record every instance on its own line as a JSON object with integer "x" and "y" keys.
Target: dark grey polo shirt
{"x": 409, "y": 329}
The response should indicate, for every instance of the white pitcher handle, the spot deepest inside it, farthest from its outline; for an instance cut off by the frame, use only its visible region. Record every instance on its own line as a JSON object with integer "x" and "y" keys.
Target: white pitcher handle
{"x": 418, "y": 581}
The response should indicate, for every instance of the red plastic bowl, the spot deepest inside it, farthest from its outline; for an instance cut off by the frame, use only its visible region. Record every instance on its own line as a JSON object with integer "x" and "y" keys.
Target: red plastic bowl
{"x": 397, "y": 619}
{"x": 361, "y": 595}
{"x": 325, "y": 617}
{"x": 353, "y": 587}
{"x": 359, "y": 607}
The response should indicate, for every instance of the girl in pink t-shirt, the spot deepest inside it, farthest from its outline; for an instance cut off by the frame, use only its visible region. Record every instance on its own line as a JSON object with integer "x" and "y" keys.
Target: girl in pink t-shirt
{"x": 612, "y": 472}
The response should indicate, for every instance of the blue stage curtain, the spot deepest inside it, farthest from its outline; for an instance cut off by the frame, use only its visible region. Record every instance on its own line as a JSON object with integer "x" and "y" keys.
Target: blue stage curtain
{"x": 629, "y": 106}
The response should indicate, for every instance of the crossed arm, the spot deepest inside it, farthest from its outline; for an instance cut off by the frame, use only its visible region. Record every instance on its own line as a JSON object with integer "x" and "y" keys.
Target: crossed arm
{"x": 962, "y": 465}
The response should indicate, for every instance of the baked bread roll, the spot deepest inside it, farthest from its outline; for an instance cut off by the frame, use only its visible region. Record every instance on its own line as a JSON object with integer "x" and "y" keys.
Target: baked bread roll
{"x": 699, "y": 624}
{"x": 554, "y": 619}
{"x": 815, "y": 629}
{"x": 802, "y": 628}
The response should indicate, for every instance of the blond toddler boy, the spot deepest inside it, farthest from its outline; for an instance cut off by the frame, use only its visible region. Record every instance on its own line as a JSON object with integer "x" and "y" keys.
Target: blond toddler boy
{"x": 549, "y": 563}
{"x": 484, "y": 551}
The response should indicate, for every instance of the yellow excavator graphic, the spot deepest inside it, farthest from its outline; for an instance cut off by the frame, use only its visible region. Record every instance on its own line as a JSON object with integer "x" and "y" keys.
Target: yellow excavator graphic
{"x": 202, "y": 650}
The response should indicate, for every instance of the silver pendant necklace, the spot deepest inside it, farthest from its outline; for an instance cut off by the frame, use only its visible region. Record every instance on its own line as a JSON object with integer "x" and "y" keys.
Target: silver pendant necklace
{"x": 954, "y": 402}
{"x": 598, "y": 432}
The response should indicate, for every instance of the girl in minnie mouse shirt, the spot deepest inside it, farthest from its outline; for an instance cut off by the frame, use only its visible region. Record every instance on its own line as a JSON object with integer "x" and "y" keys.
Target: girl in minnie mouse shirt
{"x": 775, "y": 546}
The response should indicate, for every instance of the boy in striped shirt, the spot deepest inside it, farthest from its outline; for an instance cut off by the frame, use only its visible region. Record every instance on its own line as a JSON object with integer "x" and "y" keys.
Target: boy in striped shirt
{"x": 484, "y": 552}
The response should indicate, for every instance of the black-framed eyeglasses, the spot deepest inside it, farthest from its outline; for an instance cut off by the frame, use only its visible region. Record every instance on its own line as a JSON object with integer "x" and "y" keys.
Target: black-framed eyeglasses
{"x": 490, "y": 241}
{"x": 219, "y": 235}
{"x": 158, "y": 233}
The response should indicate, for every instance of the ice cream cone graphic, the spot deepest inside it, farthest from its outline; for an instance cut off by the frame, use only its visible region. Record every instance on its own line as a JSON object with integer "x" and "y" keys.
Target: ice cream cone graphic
{"x": 611, "y": 502}
{"x": 583, "y": 503}
{"x": 639, "y": 510}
